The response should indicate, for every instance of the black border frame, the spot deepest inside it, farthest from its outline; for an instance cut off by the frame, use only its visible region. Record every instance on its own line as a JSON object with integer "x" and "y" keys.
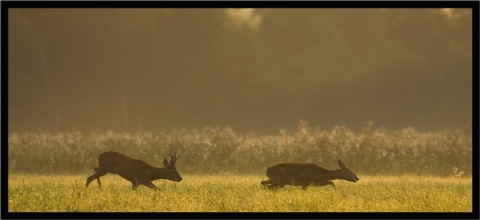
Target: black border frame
{"x": 6, "y": 5}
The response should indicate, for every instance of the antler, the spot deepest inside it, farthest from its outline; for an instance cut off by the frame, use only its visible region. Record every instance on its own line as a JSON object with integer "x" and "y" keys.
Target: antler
{"x": 173, "y": 158}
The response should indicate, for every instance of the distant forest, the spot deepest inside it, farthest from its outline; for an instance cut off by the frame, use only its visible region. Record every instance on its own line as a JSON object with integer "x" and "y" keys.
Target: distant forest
{"x": 255, "y": 70}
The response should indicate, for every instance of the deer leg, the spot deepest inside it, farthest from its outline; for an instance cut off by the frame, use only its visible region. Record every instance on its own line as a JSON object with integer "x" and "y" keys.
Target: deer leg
{"x": 304, "y": 186}
{"x": 325, "y": 183}
{"x": 143, "y": 182}
{"x": 99, "y": 183}
{"x": 146, "y": 183}
{"x": 276, "y": 185}
{"x": 98, "y": 178}
{"x": 271, "y": 185}
{"x": 268, "y": 184}
{"x": 328, "y": 182}
{"x": 150, "y": 184}
{"x": 98, "y": 173}
{"x": 134, "y": 183}
{"x": 91, "y": 178}
{"x": 331, "y": 183}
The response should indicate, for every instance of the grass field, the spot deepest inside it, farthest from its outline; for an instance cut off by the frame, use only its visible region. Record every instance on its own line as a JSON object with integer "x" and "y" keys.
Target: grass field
{"x": 237, "y": 193}
{"x": 400, "y": 171}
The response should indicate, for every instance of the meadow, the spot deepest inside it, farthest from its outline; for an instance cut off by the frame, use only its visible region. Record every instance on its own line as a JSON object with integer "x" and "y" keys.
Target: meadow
{"x": 400, "y": 171}
{"x": 238, "y": 193}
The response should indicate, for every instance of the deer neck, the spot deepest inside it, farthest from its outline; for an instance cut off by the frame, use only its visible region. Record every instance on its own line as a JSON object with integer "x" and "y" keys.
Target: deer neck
{"x": 334, "y": 174}
{"x": 159, "y": 173}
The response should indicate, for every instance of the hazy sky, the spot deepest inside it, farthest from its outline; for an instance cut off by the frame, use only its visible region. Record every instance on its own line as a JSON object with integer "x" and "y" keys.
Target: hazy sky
{"x": 256, "y": 70}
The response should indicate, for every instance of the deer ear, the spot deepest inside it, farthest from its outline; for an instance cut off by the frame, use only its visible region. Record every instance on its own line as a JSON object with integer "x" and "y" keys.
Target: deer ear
{"x": 341, "y": 164}
{"x": 165, "y": 163}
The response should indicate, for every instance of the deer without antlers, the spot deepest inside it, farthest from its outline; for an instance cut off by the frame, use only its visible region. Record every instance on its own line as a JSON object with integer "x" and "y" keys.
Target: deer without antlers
{"x": 137, "y": 171}
{"x": 305, "y": 174}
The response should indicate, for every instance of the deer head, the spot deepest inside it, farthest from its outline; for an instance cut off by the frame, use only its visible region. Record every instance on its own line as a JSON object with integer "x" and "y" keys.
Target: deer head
{"x": 171, "y": 171}
{"x": 347, "y": 174}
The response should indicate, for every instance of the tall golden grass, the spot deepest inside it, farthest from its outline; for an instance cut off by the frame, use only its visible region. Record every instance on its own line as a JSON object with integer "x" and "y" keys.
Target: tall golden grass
{"x": 238, "y": 193}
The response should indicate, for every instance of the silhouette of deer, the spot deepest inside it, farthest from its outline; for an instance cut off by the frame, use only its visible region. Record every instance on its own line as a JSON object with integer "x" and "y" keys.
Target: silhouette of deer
{"x": 305, "y": 174}
{"x": 137, "y": 171}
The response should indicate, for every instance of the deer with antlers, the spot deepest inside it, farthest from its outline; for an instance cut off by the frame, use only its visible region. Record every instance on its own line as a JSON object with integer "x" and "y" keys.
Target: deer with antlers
{"x": 137, "y": 171}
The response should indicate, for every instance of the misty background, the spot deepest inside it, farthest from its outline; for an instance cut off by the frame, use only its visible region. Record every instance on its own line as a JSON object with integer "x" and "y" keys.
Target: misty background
{"x": 255, "y": 70}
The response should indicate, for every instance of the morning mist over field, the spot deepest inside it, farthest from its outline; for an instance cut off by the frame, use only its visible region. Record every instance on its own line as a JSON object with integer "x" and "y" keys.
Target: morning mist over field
{"x": 255, "y": 70}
